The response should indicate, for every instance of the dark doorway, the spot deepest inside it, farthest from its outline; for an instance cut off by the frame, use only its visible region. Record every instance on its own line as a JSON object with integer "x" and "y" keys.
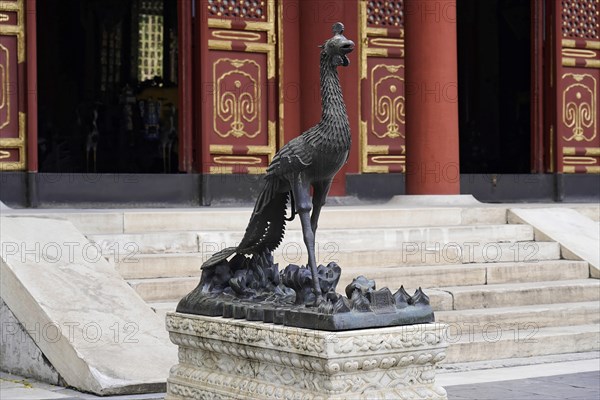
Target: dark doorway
{"x": 107, "y": 82}
{"x": 494, "y": 81}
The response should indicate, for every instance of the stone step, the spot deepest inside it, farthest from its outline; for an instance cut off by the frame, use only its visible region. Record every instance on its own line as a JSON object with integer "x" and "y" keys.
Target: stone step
{"x": 332, "y": 217}
{"x": 497, "y": 343}
{"x": 145, "y": 266}
{"x": 519, "y": 294}
{"x": 520, "y": 318}
{"x": 365, "y": 239}
{"x": 229, "y": 218}
{"x": 208, "y": 242}
{"x": 428, "y": 276}
{"x": 174, "y": 265}
{"x": 130, "y": 247}
{"x": 127, "y": 247}
{"x": 435, "y": 254}
{"x": 163, "y": 289}
{"x": 442, "y": 298}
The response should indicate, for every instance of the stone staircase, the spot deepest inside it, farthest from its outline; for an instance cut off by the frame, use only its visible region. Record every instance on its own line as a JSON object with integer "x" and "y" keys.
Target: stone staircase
{"x": 503, "y": 294}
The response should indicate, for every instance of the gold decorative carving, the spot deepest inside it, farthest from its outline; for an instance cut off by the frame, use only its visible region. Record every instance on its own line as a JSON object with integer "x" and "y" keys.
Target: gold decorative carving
{"x": 579, "y": 53}
{"x": 579, "y": 113}
{"x": 17, "y": 30}
{"x": 384, "y": 117}
{"x": 388, "y": 159}
{"x": 239, "y": 105}
{"x": 221, "y": 149}
{"x": 376, "y": 52}
{"x": 362, "y": 42}
{"x": 388, "y": 42}
{"x": 238, "y": 111}
{"x": 4, "y": 86}
{"x": 18, "y": 144}
{"x": 589, "y": 169}
{"x": 575, "y": 160}
{"x": 589, "y": 151}
{"x": 219, "y": 45}
{"x": 378, "y": 149}
{"x": 221, "y": 169}
{"x": 257, "y": 170}
{"x": 237, "y": 160}
{"x": 259, "y": 47}
{"x": 588, "y": 63}
{"x": 388, "y": 105}
{"x": 236, "y": 35}
{"x": 588, "y": 44}
{"x": 376, "y": 31}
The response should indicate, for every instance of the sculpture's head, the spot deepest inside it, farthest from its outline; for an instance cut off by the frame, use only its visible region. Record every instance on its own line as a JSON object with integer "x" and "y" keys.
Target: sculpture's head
{"x": 336, "y": 48}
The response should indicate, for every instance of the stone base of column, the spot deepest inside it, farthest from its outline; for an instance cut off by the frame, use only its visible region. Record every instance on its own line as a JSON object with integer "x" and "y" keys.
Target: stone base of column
{"x": 236, "y": 359}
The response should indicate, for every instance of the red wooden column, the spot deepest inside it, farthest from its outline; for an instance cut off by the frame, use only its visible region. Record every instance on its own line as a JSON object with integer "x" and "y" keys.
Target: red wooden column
{"x": 185, "y": 65}
{"x": 432, "y": 163}
{"x": 288, "y": 55}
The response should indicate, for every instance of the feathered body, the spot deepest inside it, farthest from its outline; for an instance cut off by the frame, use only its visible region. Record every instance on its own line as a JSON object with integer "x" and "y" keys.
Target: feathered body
{"x": 311, "y": 159}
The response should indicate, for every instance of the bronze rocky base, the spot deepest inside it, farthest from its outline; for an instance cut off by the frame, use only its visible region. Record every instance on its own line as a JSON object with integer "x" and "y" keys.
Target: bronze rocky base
{"x": 251, "y": 288}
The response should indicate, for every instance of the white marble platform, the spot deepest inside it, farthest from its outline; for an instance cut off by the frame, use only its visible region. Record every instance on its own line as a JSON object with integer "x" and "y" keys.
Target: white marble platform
{"x": 223, "y": 358}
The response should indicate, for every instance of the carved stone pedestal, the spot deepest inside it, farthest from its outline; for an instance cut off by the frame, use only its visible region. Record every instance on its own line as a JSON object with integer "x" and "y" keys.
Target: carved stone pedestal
{"x": 223, "y": 358}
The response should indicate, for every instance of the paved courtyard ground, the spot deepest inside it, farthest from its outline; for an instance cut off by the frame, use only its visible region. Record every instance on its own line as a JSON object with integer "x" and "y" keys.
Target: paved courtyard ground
{"x": 567, "y": 380}
{"x": 581, "y": 386}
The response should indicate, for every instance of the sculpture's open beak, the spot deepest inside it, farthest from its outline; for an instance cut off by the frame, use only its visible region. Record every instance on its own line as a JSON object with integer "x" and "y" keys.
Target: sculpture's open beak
{"x": 346, "y": 48}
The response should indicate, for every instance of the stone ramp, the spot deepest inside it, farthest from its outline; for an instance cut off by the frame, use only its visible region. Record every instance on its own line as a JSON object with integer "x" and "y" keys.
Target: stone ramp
{"x": 92, "y": 327}
{"x": 578, "y": 235}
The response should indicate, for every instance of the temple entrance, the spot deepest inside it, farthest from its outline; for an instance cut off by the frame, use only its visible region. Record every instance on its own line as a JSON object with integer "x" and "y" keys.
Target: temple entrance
{"x": 494, "y": 79}
{"x": 107, "y": 86}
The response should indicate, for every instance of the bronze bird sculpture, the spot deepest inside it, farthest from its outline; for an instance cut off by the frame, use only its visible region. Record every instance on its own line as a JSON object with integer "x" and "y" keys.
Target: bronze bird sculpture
{"x": 311, "y": 159}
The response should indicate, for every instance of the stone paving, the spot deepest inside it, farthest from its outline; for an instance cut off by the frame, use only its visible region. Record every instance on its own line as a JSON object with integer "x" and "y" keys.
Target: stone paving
{"x": 581, "y": 386}
{"x": 575, "y": 386}
{"x": 14, "y": 387}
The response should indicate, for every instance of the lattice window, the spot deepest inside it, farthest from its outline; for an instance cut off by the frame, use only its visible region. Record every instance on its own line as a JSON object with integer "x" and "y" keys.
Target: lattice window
{"x": 110, "y": 58}
{"x": 150, "y": 39}
{"x": 244, "y": 9}
{"x": 580, "y": 19}
{"x": 385, "y": 13}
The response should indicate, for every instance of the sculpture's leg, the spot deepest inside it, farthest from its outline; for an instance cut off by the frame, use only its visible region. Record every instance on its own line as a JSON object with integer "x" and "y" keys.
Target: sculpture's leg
{"x": 303, "y": 207}
{"x": 319, "y": 198}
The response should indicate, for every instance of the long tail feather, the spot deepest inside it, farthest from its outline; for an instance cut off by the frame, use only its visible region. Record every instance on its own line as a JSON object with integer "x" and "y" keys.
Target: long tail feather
{"x": 267, "y": 224}
{"x": 265, "y": 229}
{"x": 219, "y": 257}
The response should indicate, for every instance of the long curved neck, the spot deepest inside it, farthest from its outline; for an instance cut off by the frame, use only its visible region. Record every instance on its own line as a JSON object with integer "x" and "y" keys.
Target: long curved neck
{"x": 334, "y": 118}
